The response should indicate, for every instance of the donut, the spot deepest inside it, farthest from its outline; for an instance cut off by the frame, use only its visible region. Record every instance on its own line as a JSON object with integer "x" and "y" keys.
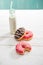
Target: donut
{"x": 23, "y": 46}
{"x": 28, "y": 35}
{"x": 19, "y": 34}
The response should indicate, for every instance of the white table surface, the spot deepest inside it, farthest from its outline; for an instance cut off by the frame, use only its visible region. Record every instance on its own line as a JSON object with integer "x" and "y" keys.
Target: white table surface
{"x": 31, "y": 20}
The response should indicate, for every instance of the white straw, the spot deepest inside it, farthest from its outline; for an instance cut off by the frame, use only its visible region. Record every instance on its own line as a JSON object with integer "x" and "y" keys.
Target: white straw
{"x": 11, "y": 4}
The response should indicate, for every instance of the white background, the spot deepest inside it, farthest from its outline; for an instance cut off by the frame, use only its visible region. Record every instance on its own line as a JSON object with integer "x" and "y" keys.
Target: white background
{"x": 31, "y": 20}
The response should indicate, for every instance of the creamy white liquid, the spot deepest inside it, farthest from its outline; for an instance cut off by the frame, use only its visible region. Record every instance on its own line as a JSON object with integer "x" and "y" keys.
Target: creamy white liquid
{"x": 12, "y": 22}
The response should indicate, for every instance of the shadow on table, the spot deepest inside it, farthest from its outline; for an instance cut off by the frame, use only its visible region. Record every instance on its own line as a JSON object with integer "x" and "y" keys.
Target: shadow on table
{"x": 15, "y": 55}
{"x": 7, "y": 35}
{"x": 8, "y": 40}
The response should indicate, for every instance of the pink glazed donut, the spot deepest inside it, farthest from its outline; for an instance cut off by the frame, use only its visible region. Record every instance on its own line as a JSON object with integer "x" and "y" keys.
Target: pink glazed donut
{"x": 28, "y": 35}
{"x": 23, "y": 46}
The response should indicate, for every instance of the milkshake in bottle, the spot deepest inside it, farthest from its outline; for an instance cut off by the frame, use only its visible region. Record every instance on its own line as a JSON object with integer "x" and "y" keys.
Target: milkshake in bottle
{"x": 12, "y": 20}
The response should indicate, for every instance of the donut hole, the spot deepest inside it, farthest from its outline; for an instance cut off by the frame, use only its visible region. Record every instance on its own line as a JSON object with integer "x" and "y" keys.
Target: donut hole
{"x": 27, "y": 32}
{"x": 23, "y": 46}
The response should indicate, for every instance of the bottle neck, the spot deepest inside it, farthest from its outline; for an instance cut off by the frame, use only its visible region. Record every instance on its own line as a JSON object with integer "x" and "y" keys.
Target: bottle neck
{"x": 12, "y": 13}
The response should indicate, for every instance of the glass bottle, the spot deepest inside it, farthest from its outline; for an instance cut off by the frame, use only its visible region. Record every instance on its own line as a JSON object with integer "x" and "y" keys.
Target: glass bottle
{"x": 12, "y": 20}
